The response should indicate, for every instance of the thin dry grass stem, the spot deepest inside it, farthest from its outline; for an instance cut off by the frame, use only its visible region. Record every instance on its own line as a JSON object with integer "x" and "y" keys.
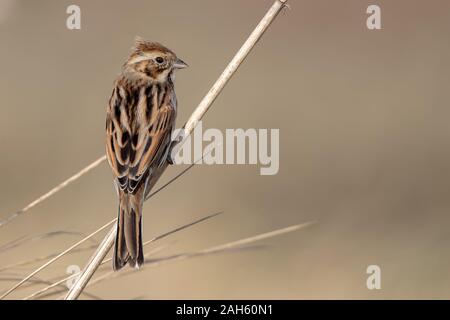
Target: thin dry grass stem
{"x": 164, "y": 235}
{"x": 260, "y": 237}
{"x": 239, "y": 245}
{"x": 193, "y": 120}
{"x": 242, "y": 244}
{"x": 178, "y": 175}
{"x": 170, "y": 181}
{"x": 56, "y": 189}
{"x": 157, "y": 262}
{"x": 75, "y": 275}
{"x": 23, "y": 240}
{"x": 17, "y": 278}
{"x": 51, "y": 261}
{"x": 44, "y": 292}
{"x": 178, "y": 229}
{"x": 152, "y": 263}
{"x": 30, "y": 283}
{"x": 187, "y": 255}
{"x": 40, "y": 281}
{"x": 39, "y": 259}
{"x": 51, "y": 286}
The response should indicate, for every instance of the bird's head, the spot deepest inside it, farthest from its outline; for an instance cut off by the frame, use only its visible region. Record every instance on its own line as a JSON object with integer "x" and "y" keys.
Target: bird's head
{"x": 153, "y": 60}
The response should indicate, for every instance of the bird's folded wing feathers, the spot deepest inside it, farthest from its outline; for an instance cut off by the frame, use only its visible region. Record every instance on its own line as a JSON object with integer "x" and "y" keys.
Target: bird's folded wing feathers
{"x": 132, "y": 154}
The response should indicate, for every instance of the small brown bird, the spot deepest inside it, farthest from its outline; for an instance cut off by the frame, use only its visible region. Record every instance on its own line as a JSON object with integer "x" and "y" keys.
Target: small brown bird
{"x": 140, "y": 119}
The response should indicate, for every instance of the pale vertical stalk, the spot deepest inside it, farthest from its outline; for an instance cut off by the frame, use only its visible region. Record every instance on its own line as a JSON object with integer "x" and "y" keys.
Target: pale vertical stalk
{"x": 196, "y": 116}
{"x": 93, "y": 264}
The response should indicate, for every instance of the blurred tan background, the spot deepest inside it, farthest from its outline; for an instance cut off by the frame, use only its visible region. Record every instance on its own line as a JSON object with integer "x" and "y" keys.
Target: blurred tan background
{"x": 363, "y": 118}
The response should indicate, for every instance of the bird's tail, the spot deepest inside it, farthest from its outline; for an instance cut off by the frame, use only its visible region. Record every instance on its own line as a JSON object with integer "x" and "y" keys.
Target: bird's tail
{"x": 128, "y": 246}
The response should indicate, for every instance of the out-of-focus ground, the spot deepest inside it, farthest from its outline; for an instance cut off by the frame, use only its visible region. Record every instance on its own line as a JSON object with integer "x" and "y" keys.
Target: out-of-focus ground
{"x": 363, "y": 118}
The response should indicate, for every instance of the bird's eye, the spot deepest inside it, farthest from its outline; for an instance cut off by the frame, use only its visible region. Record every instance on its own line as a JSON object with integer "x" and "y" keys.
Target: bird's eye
{"x": 159, "y": 59}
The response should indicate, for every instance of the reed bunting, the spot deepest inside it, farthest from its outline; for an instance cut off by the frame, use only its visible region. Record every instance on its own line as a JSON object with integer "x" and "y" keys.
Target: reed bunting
{"x": 140, "y": 119}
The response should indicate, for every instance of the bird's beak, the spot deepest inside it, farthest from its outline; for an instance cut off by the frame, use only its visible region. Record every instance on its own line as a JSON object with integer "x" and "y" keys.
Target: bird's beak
{"x": 180, "y": 64}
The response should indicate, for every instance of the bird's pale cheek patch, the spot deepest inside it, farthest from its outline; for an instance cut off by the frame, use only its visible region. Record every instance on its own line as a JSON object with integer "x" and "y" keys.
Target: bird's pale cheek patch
{"x": 162, "y": 75}
{"x": 143, "y": 66}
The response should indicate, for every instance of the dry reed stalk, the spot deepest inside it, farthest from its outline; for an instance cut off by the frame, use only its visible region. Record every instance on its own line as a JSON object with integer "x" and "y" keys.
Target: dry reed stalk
{"x": 196, "y": 116}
